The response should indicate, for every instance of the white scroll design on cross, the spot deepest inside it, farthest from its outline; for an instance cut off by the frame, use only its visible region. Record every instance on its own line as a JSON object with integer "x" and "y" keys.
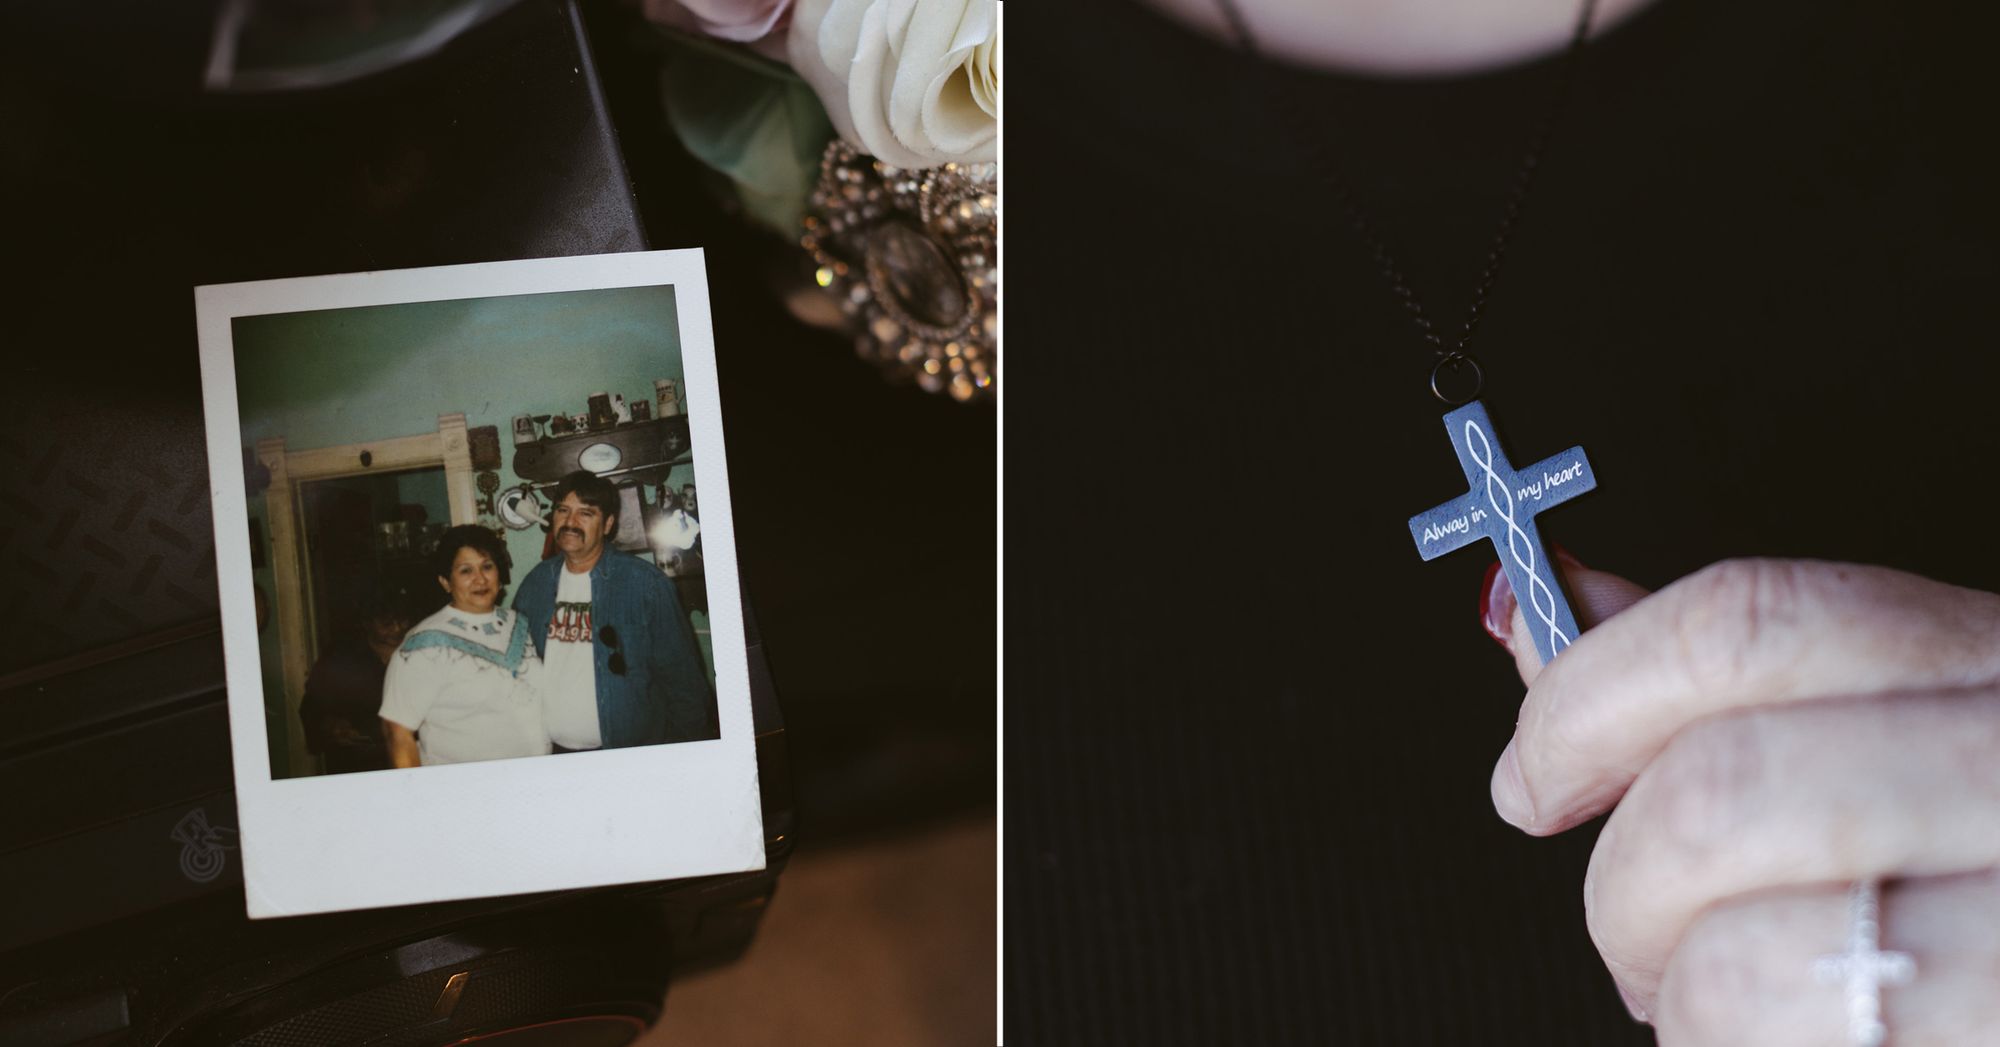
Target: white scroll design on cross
{"x": 1539, "y": 595}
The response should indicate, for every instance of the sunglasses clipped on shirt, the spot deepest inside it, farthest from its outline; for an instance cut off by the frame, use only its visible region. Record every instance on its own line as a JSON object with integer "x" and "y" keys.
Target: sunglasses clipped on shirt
{"x": 610, "y": 634}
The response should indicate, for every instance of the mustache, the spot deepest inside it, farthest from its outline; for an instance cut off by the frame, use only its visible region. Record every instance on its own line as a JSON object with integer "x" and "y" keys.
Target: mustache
{"x": 569, "y": 530}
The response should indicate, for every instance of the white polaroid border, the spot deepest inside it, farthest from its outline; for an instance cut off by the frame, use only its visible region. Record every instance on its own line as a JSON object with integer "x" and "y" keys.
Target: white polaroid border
{"x": 397, "y": 837}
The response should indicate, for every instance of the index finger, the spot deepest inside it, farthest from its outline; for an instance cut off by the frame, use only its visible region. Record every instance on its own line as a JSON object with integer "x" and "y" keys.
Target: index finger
{"x": 1735, "y": 635}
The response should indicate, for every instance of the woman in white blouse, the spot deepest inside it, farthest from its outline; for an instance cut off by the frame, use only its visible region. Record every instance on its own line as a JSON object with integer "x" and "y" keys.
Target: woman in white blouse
{"x": 461, "y": 688}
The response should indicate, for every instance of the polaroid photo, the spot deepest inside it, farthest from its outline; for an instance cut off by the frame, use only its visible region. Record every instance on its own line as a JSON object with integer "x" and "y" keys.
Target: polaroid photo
{"x": 481, "y": 637}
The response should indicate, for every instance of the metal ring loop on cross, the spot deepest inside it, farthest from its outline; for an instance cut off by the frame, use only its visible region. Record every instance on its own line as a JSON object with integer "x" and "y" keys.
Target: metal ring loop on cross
{"x": 1455, "y": 361}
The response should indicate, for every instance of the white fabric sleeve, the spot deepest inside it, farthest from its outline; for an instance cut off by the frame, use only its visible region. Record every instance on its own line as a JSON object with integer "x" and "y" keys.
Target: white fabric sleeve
{"x": 407, "y": 690}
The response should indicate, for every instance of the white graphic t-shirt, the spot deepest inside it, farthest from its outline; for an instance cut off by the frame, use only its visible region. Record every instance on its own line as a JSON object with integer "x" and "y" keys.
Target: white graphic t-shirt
{"x": 464, "y": 683}
{"x": 569, "y": 663}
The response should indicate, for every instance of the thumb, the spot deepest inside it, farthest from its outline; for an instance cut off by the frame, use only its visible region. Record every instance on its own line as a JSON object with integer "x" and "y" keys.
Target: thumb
{"x": 1596, "y": 595}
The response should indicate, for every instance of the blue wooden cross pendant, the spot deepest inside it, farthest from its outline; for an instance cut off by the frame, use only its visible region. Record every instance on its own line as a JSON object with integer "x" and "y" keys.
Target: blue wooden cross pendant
{"x": 1501, "y": 506}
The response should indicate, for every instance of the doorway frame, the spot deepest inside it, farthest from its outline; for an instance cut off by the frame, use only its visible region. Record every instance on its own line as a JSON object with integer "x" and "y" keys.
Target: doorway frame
{"x": 291, "y": 470}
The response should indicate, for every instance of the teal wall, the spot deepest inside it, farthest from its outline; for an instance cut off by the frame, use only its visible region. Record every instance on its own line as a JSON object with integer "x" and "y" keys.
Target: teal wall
{"x": 344, "y": 376}
{"x": 425, "y": 487}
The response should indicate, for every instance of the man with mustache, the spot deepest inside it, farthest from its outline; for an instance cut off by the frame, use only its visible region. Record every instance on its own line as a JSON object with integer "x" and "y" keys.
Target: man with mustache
{"x": 620, "y": 662}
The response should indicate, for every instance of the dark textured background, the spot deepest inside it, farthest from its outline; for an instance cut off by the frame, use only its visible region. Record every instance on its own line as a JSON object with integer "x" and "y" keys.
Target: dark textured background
{"x": 865, "y": 512}
{"x": 1249, "y": 733}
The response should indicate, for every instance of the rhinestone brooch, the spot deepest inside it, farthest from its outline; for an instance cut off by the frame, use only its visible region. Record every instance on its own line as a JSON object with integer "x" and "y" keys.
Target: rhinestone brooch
{"x": 911, "y": 258}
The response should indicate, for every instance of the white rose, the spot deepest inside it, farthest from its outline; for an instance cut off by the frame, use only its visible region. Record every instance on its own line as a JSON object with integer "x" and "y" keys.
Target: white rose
{"x": 916, "y": 83}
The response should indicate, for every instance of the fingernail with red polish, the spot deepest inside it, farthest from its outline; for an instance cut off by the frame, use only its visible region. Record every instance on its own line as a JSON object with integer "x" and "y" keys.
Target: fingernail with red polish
{"x": 1496, "y": 607}
{"x": 1568, "y": 558}
{"x": 1632, "y": 1004}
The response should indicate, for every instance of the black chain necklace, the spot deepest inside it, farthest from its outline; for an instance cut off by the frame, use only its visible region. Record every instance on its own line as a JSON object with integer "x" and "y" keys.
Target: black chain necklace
{"x": 1451, "y": 355}
{"x": 1501, "y": 502}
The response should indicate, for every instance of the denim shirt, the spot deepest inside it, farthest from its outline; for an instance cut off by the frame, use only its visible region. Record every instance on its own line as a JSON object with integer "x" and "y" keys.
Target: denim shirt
{"x": 663, "y": 694}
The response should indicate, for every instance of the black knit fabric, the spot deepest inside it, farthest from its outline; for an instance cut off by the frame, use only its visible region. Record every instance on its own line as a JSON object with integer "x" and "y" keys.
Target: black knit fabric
{"x": 1249, "y": 732}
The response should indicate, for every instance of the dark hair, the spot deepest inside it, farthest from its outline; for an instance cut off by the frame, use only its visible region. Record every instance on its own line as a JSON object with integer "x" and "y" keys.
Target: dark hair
{"x": 471, "y": 536}
{"x": 386, "y": 599}
{"x": 590, "y": 489}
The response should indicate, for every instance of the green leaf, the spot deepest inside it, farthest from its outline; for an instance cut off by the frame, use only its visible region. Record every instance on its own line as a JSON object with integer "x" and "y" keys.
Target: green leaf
{"x": 753, "y": 120}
